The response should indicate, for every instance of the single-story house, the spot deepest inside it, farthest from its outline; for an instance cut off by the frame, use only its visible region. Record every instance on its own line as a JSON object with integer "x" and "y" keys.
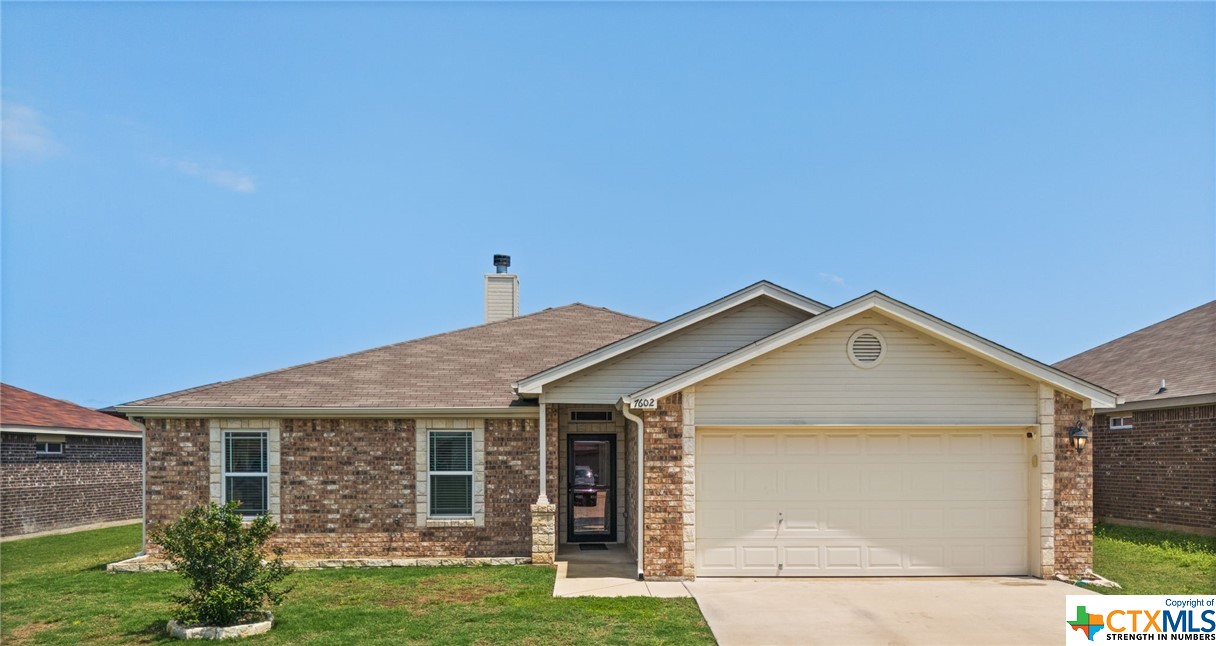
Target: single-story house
{"x": 63, "y": 465}
{"x": 1155, "y": 454}
{"x": 761, "y": 434}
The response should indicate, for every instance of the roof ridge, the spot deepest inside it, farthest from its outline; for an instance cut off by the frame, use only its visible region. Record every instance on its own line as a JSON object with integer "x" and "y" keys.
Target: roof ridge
{"x": 606, "y": 309}
{"x": 216, "y": 384}
{"x": 1136, "y": 332}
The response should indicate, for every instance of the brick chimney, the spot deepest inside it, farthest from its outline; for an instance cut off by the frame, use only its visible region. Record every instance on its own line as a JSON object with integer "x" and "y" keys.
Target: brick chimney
{"x": 502, "y": 291}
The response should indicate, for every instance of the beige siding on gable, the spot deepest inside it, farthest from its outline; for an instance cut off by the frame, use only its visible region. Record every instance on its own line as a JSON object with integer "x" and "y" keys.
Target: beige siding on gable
{"x": 670, "y": 356}
{"x": 919, "y": 381}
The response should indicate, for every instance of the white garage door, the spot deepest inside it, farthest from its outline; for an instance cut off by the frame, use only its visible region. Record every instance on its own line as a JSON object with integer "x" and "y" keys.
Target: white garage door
{"x": 861, "y": 503}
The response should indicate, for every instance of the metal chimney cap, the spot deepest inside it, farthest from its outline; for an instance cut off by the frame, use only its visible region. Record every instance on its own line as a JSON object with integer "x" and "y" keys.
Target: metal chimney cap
{"x": 502, "y": 262}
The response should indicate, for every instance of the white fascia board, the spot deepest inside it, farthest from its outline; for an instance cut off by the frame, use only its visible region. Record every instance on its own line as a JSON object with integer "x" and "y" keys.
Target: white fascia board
{"x": 1165, "y": 402}
{"x": 55, "y": 430}
{"x": 534, "y": 385}
{"x": 1093, "y": 396}
{"x": 513, "y": 412}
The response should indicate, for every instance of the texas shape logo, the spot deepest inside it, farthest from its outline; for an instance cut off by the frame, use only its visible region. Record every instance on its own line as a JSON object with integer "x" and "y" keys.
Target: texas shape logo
{"x": 1087, "y": 623}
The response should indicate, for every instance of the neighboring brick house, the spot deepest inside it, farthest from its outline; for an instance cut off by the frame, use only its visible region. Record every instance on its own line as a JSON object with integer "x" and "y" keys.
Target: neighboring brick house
{"x": 62, "y": 465}
{"x": 1155, "y": 454}
{"x": 762, "y": 434}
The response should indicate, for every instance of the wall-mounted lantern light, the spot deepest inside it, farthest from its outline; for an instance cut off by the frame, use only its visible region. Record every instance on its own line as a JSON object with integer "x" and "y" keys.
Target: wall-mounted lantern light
{"x": 1077, "y": 436}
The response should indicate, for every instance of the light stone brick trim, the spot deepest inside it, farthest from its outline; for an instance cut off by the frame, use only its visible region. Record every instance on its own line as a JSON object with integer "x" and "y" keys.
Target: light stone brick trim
{"x": 274, "y": 452}
{"x": 422, "y": 429}
{"x": 1047, "y": 486}
{"x": 690, "y": 484}
{"x": 544, "y": 534}
{"x": 145, "y": 564}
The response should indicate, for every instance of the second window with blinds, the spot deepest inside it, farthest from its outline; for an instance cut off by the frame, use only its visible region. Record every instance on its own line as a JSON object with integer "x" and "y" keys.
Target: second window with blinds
{"x": 246, "y": 476}
{"x": 451, "y": 474}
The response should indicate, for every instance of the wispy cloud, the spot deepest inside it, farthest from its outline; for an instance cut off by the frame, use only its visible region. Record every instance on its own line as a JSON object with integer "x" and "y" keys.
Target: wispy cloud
{"x": 831, "y": 278}
{"x": 24, "y": 135}
{"x": 221, "y": 177}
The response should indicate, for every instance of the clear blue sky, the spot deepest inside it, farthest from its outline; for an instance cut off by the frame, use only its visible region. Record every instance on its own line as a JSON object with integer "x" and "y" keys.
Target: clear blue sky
{"x": 196, "y": 192}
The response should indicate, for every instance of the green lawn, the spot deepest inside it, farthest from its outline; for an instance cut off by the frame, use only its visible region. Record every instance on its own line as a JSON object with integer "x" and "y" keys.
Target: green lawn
{"x": 1150, "y": 561}
{"x": 55, "y": 590}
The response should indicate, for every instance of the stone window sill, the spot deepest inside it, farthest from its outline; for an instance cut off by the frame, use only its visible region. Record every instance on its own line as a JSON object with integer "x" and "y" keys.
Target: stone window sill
{"x": 451, "y": 522}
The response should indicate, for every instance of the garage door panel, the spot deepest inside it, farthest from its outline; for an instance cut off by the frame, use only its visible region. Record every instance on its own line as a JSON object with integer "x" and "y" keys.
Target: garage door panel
{"x": 926, "y": 444}
{"x": 842, "y": 481}
{"x": 890, "y": 557}
{"x": 842, "y": 557}
{"x": 761, "y": 444}
{"x": 880, "y": 444}
{"x": 715, "y": 481}
{"x": 842, "y": 444}
{"x": 862, "y": 504}
{"x": 758, "y": 557}
{"x": 800, "y": 522}
{"x": 797, "y": 444}
{"x": 755, "y": 482}
{"x": 801, "y": 558}
{"x": 884, "y": 483}
{"x": 711, "y": 445}
{"x": 738, "y": 521}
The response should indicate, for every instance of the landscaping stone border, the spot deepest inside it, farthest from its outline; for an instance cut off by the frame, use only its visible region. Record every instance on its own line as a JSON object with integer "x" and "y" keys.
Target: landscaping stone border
{"x": 182, "y": 631}
{"x": 144, "y": 564}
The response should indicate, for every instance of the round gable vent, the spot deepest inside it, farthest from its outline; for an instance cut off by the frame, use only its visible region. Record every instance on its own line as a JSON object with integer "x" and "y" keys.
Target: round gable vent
{"x": 867, "y": 348}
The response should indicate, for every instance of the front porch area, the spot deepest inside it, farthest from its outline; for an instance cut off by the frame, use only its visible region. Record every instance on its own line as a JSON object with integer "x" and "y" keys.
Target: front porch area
{"x": 610, "y": 572}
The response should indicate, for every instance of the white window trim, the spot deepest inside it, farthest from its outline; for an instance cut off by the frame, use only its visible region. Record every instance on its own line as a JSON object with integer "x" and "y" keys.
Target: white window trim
{"x": 225, "y": 473}
{"x": 432, "y": 473}
{"x": 1127, "y": 423}
{"x": 422, "y": 478}
{"x": 38, "y": 451}
{"x": 272, "y": 427}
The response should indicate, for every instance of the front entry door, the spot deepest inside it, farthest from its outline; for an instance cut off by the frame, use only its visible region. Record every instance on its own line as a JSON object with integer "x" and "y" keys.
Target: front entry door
{"x": 591, "y": 490}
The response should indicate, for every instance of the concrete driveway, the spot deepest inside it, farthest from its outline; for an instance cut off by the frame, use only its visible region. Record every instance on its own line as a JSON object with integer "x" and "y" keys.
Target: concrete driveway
{"x": 935, "y": 611}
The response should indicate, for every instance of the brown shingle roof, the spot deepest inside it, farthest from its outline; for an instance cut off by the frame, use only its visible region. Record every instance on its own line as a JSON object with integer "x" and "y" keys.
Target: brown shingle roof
{"x": 20, "y": 407}
{"x": 468, "y": 368}
{"x": 1181, "y": 350}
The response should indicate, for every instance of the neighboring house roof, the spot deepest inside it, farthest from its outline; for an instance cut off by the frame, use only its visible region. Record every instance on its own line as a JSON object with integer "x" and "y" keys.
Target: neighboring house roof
{"x": 1095, "y": 396}
{"x": 534, "y": 384}
{"x": 21, "y": 409}
{"x": 1181, "y": 350}
{"x": 471, "y": 368}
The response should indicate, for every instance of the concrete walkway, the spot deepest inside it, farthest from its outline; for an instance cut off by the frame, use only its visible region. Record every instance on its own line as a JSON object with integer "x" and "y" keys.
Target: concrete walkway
{"x": 931, "y": 611}
{"x": 606, "y": 573}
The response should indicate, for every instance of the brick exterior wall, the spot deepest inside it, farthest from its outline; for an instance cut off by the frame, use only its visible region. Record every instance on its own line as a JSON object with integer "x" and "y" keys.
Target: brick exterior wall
{"x": 663, "y": 480}
{"x": 1159, "y": 473}
{"x": 348, "y": 487}
{"x": 1074, "y": 486}
{"x": 97, "y": 479}
{"x": 179, "y": 468}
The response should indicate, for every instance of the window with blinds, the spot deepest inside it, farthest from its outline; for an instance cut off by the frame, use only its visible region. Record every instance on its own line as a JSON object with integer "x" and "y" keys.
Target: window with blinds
{"x": 246, "y": 474}
{"x": 451, "y": 473}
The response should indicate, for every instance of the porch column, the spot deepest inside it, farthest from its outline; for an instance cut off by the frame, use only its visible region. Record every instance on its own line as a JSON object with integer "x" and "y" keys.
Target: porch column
{"x": 543, "y": 471}
{"x": 544, "y": 534}
{"x": 544, "y": 513}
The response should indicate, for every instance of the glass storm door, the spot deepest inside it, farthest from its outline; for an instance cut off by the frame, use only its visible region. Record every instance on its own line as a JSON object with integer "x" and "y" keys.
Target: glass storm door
{"x": 591, "y": 491}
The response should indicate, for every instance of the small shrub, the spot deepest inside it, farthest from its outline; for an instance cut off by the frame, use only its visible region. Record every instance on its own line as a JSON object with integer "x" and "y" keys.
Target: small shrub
{"x": 223, "y": 561}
